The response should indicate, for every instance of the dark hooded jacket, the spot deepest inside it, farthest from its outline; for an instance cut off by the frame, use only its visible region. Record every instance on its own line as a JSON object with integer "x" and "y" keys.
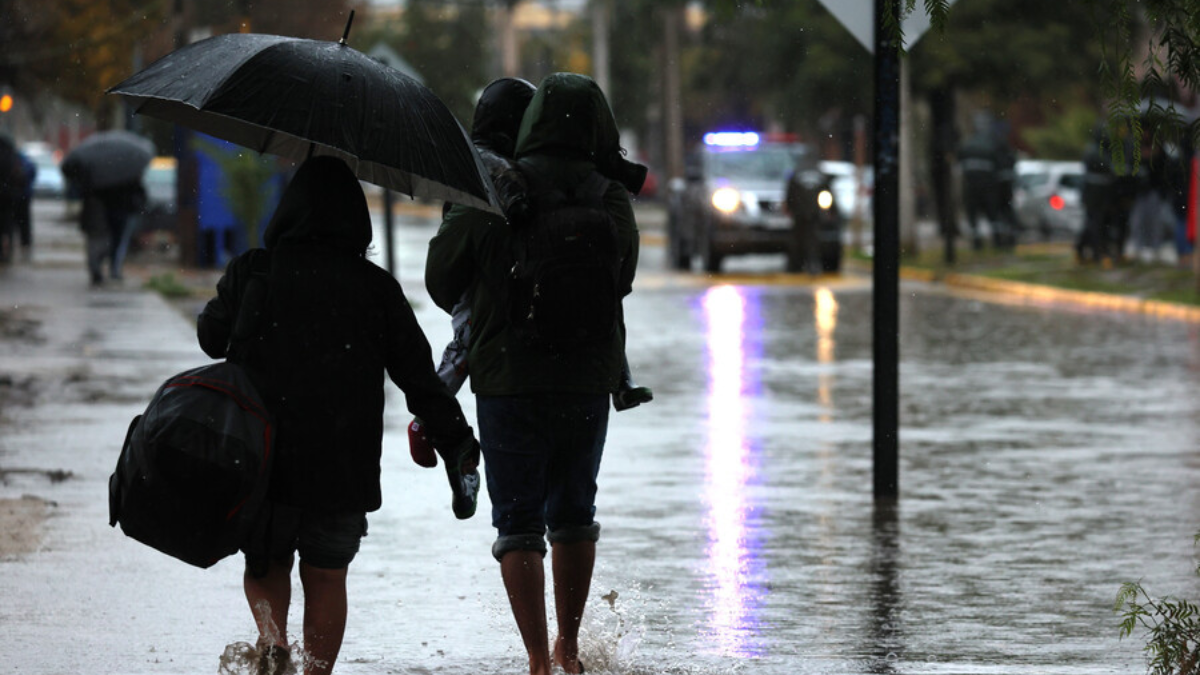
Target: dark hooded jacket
{"x": 335, "y": 323}
{"x": 494, "y": 134}
{"x": 567, "y": 126}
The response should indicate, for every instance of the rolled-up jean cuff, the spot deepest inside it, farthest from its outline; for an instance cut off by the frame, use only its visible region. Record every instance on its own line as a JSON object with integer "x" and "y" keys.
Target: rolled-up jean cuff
{"x": 575, "y": 533}
{"x": 518, "y": 542}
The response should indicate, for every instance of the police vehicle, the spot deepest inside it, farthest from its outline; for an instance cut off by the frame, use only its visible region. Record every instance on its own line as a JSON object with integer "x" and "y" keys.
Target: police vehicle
{"x": 732, "y": 200}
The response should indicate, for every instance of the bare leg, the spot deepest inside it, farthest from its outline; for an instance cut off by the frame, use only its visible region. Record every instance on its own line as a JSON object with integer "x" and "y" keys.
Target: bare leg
{"x": 275, "y": 591}
{"x": 324, "y": 616}
{"x": 572, "y": 564}
{"x": 525, "y": 581}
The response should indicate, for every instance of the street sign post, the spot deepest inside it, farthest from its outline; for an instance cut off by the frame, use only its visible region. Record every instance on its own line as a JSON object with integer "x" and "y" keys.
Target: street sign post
{"x": 886, "y": 269}
{"x": 864, "y": 20}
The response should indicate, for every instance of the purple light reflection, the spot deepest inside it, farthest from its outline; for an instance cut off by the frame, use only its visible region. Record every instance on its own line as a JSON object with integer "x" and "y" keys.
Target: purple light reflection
{"x": 733, "y": 563}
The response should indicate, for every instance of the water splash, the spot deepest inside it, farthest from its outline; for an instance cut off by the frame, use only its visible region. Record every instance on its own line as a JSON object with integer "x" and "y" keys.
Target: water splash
{"x": 615, "y": 627}
{"x": 242, "y": 658}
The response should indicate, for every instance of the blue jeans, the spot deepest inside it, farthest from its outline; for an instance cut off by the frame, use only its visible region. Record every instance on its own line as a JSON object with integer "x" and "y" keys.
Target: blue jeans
{"x": 541, "y": 457}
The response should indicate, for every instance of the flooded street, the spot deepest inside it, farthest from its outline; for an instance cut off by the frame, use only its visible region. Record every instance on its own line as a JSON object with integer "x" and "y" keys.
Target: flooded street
{"x": 1047, "y": 456}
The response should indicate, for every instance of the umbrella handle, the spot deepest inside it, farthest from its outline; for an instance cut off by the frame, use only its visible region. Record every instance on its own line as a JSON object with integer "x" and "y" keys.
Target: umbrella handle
{"x": 346, "y": 33}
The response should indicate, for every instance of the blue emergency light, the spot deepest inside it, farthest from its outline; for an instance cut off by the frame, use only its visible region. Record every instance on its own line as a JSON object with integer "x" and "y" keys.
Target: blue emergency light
{"x": 731, "y": 139}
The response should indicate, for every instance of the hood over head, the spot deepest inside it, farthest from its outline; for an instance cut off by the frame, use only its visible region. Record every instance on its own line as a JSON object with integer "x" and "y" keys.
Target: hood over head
{"x": 570, "y": 117}
{"x": 498, "y": 114}
{"x": 323, "y": 204}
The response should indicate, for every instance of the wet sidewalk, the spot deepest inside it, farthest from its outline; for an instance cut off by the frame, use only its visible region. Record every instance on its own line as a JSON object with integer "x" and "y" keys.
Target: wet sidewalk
{"x": 76, "y": 364}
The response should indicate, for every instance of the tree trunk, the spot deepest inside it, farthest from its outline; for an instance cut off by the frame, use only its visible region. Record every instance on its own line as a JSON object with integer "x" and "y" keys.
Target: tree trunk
{"x": 910, "y": 245}
{"x": 672, "y": 106}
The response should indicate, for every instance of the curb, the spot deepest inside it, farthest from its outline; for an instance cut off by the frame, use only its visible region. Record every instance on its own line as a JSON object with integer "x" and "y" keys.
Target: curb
{"x": 1121, "y": 303}
{"x": 1046, "y": 294}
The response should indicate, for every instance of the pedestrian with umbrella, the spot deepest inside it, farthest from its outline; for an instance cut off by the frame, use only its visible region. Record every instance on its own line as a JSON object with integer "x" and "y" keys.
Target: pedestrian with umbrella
{"x": 337, "y": 322}
{"x": 107, "y": 167}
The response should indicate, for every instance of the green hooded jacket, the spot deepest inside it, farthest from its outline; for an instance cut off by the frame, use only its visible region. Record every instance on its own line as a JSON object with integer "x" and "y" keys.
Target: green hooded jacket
{"x": 566, "y": 128}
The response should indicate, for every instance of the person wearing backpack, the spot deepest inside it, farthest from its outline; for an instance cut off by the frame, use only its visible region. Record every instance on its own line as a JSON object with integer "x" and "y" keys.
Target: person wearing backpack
{"x": 542, "y": 370}
{"x": 332, "y": 326}
{"x": 494, "y": 132}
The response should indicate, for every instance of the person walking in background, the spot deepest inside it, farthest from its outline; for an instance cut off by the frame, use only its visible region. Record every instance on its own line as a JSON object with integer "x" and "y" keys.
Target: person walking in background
{"x": 12, "y": 181}
{"x": 122, "y": 206}
{"x": 333, "y": 325}
{"x": 23, "y": 215}
{"x": 983, "y": 158}
{"x": 542, "y": 414}
{"x": 1152, "y": 214}
{"x": 1092, "y": 244}
{"x": 105, "y": 220}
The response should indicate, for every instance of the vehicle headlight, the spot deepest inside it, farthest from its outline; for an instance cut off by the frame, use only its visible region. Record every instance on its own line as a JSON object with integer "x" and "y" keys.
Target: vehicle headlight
{"x": 726, "y": 200}
{"x": 825, "y": 199}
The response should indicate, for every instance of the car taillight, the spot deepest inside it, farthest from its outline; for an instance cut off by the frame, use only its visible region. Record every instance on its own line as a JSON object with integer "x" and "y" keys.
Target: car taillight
{"x": 1057, "y": 203}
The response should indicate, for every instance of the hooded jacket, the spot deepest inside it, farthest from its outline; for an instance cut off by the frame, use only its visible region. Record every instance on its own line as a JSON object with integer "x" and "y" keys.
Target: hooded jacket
{"x": 334, "y": 325}
{"x": 566, "y": 127}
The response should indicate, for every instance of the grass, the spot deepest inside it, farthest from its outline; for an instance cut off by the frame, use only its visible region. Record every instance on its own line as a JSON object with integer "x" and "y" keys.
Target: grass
{"x": 169, "y": 286}
{"x": 1054, "y": 265}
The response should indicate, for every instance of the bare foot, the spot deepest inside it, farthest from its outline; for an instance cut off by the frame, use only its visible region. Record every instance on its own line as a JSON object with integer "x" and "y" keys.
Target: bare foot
{"x": 567, "y": 657}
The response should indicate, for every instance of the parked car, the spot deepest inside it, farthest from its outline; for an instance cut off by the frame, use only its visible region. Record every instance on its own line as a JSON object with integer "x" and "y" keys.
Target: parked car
{"x": 1047, "y": 197}
{"x": 731, "y": 201}
{"x": 158, "y": 217}
{"x": 49, "y": 182}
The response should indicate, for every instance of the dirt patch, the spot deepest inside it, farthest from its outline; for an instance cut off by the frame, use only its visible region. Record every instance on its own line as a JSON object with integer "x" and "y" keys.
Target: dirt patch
{"x": 18, "y": 324}
{"x": 15, "y": 391}
{"x": 22, "y": 524}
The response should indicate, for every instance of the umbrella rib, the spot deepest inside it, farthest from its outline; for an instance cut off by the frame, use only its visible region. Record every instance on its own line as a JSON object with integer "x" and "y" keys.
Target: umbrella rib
{"x": 267, "y": 141}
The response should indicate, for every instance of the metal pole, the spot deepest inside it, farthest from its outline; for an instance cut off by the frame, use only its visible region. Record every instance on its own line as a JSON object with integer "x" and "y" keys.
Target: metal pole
{"x": 600, "y": 60}
{"x": 672, "y": 105}
{"x": 388, "y": 234}
{"x": 886, "y": 309}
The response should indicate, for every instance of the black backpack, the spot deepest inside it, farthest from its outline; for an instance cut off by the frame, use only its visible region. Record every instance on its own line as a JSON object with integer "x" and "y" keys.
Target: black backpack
{"x": 192, "y": 476}
{"x": 564, "y": 290}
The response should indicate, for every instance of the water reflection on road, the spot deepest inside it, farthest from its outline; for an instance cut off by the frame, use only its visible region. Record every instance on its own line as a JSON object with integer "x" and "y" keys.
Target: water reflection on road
{"x": 1047, "y": 456}
{"x": 736, "y": 579}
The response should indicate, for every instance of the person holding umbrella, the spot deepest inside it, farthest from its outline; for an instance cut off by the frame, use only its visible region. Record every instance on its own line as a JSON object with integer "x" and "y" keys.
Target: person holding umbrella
{"x": 337, "y": 324}
{"x": 338, "y": 321}
{"x": 107, "y": 169}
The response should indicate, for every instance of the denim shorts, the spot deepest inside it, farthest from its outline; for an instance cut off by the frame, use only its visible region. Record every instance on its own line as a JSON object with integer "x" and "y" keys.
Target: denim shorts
{"x": 541, "y": 457}
{"x": 324, "y": 540}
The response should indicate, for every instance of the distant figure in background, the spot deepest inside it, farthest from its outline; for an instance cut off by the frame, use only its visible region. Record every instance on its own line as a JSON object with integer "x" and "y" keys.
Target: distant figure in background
{"x": 800, "y": 199}
{"x": 1108, "y": 198}
{"x": 1006, "y": 180}
{"x": 11, "y": 187}
{"x": 1098, "y": 203}
{"x": 123, "y": 205}
{"x": 983, "y": 157}
{"x": 24, "y": 208}
{"x": 106, "y": 223}
{"x": 1152, "y": 214}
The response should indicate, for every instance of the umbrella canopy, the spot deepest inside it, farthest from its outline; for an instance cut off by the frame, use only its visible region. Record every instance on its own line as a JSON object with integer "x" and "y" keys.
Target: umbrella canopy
{"x": 300, "y": 98}
{"x": 109, "y": 158}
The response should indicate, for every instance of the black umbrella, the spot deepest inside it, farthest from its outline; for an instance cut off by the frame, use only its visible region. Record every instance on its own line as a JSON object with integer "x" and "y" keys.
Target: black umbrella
{"x": 108, "y": 159}
{"x": 298, "y": 98}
